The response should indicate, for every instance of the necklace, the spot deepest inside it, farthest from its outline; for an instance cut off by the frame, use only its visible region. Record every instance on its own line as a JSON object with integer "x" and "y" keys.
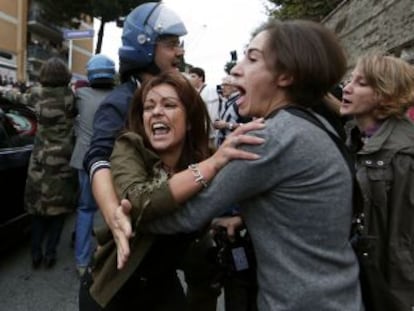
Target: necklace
{"x": 168, "y": 170}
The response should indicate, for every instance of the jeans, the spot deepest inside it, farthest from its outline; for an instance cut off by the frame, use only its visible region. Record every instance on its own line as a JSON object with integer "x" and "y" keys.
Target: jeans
{"x": 84, "y": 222}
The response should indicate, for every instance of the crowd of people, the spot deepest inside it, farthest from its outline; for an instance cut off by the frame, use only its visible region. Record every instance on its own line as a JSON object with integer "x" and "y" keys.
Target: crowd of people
{"x": 252, "y": 190}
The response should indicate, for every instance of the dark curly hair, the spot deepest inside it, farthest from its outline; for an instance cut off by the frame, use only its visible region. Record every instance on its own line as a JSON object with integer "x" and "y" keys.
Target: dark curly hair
{"x": 55, "y": 73}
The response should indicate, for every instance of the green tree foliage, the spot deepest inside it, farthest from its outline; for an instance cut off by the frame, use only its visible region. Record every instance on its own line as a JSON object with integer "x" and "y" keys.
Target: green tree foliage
{"x": 302, "y": 9}
{"x": 64, "y": 12}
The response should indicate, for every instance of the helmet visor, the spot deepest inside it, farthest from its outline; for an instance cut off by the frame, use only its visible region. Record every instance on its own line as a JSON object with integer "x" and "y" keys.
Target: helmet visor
{"x": 164, "y": 21}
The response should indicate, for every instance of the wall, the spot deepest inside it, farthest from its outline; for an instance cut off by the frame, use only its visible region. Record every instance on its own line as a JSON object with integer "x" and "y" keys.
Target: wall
{"x": 8, "y": 38}
{"x": 13, "y": 39}
{"x": 367, "y": 25}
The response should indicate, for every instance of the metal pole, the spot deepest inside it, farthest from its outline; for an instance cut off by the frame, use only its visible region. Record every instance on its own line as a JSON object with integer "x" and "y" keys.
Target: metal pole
{"x": 70, "y": 54}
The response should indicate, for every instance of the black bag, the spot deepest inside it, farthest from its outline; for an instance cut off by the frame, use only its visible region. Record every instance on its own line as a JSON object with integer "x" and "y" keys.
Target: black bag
{"x": 234, "y": 256}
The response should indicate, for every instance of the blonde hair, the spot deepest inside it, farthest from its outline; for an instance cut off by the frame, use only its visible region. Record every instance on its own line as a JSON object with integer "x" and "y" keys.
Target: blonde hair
{"x": 392, "y": 80}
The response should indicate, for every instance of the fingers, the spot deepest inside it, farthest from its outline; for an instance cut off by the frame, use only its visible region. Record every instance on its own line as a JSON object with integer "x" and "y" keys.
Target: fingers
{"x": 122, "y": 232}
{"x": 122, "y": 246}
{"x": 230, "y": 223}
{"x": 229, "y": 151}
{"x": 121, "y": 261}
{"x": 124, "y": 219}
{"x": 249, "y": 140}
{"x": 231, "y": 232}
{"x": 257, "y": 124}
{"x": 241, "y": 154}
{"x": 234, "y": 141}
{"x": 126, "y": 205}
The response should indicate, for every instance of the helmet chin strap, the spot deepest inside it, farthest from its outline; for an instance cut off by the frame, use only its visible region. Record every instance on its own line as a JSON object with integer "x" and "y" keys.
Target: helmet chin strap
{"x": 153, "y": 69}
{"x": 139, "y": 75}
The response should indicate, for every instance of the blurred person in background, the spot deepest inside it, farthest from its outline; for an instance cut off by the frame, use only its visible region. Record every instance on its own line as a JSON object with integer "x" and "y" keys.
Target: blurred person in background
{"x": 208, "y": 94}
{"x": 100, "y": 71}
{"x": 228, "y": 118}
{"x": 51, "y": 186}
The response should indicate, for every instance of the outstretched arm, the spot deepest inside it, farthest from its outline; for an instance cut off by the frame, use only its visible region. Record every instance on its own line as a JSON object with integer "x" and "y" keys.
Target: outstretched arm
{"x": 183, "y": 185}
{"x": 153, "y": 196}
{"x": 137, "y": 175}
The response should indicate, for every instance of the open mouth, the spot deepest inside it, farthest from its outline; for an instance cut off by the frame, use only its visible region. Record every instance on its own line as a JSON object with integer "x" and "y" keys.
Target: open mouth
{"x": 176, "y": 64}
{"x": 241, "y": 90}
{"x": 346, "y": 101}
{"x": 242, "y": 93}
{"x": 160, "y": 129}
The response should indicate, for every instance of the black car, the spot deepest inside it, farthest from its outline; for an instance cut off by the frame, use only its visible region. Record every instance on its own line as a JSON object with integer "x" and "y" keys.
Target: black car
{"x": 17, "y": 130}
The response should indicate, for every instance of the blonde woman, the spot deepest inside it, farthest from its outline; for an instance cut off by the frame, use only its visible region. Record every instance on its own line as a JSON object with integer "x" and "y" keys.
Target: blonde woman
{"x": 378, "y": 94}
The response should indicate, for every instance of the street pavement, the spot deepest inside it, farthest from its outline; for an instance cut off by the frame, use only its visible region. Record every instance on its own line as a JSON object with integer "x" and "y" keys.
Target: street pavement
{"x": 56, "y": 289}
{"x": 25, "y": 289}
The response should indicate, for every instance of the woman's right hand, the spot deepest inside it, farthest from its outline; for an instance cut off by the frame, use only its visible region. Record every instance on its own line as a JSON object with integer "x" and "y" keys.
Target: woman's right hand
{"x": 228, "y": 149}
{"x": 121, "y": 228}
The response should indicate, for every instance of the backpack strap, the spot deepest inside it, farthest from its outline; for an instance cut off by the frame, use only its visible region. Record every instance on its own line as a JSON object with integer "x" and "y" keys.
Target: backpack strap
{"x": 358, "y": 212}
{"x": 309, "y": 116}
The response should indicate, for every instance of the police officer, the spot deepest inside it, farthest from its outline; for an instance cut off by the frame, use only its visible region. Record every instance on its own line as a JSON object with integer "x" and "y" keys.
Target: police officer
{"x": 150, "y": 45}
{"x": 100, "y": 72}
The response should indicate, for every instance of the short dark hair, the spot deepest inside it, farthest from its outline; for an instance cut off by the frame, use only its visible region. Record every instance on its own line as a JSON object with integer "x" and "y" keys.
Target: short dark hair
{"x": 196, "y": 142}
{"x": 54, "y": 73}
{"x": 307, "y": 51}
{"x": 199, "y": 72}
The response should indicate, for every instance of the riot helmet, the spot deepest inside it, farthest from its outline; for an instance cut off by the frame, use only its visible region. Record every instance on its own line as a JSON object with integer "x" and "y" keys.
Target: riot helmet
{"x": 142, "y": 28}
{"x": 100, "y": 67}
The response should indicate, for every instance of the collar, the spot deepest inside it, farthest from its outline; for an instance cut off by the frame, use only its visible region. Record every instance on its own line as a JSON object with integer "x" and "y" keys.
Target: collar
{"x": 371, "y": 130}
{"x": 378, "y": 136}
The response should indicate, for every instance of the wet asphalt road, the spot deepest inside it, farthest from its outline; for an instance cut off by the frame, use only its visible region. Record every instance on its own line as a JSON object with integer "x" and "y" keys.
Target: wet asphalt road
{"x": 55, "y": 289}
{"x": 25, "y": 289}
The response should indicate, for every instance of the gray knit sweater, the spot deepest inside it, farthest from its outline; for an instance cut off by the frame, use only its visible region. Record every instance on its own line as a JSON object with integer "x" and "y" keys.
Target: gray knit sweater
{"x": 296, "y": 203}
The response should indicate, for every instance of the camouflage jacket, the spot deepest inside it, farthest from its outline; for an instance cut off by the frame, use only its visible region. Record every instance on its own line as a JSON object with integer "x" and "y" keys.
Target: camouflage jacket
{"x": 51, "y": 186}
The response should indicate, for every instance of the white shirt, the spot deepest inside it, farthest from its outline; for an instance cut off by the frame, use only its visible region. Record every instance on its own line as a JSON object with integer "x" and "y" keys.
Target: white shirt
{"x": 211, "y": 99}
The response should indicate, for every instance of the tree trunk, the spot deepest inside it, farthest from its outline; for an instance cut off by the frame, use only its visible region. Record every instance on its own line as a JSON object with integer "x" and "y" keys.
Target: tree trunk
{"x": 100, "y": 38}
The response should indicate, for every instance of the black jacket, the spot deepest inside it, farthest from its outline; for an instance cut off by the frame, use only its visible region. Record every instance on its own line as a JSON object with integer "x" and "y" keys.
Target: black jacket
{"x": 108, "y": 122}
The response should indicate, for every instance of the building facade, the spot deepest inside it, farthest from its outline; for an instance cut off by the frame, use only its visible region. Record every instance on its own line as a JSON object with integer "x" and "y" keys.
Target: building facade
{"x": 27, "y": 40}
{"x": 374, "y": 25}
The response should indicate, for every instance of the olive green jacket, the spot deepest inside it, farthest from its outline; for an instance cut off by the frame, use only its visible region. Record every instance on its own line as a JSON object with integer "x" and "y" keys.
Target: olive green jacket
{"x": 137, "y": 176}
{"x": 385, "y": 172}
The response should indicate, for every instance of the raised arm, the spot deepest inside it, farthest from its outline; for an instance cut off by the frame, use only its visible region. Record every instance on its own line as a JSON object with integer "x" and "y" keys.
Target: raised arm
{"x": 138, "y": 177}
{"x": 183, "y": 186}
{"x": 149, "y": 193}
